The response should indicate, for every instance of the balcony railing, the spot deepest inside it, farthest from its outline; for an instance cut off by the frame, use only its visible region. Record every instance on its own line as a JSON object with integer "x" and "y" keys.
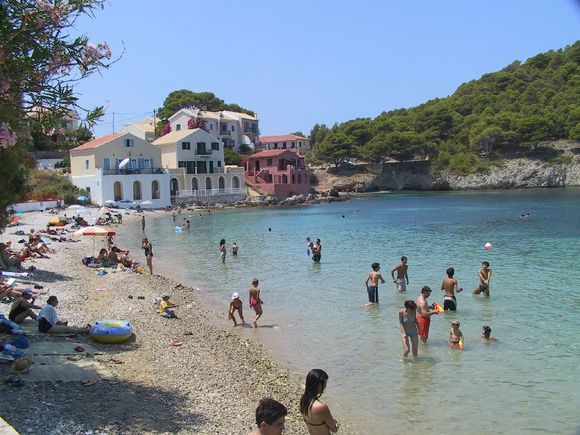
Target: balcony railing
{"x": 203, "y": 152}
{"x": 225, "y": 133}
{"x": 251, "y": 130}
{"x": 211, "y": 192}
{"x": 130, "y": 171}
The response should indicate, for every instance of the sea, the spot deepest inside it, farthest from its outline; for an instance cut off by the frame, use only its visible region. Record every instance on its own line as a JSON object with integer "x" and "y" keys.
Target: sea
{"x": 527, "y": 381}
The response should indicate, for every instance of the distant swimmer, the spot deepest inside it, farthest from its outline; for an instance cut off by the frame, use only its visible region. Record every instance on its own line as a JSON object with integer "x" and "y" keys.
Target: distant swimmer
{"x": 223, "y": 250}
{"x": 408, "y": 324}
{"x": 402, "y": 278}
{"x": 485, "y": 275}
{"x": 486, "y": 334}
{"x": 424, "y": 314}
{"x": 373, "y": 289}
{"x": 450, "y": 286}
{"x": 255, "y": 301}
{"x": 234, "y": 249}
{"x": 317, "y": 251}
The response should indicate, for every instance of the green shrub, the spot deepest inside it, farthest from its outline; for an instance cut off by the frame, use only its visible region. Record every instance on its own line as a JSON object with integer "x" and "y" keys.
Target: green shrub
{"x": 560, "y": 160}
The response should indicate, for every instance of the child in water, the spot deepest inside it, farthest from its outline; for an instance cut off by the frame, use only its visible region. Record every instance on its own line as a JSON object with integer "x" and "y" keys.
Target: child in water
{"x": 455, "y": 336}
{"x": 486, "y": 334}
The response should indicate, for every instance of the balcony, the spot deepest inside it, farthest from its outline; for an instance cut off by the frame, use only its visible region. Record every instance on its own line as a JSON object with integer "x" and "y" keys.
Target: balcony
{"x": 130, "y": 171}
{"x": 226, "y": 133}
{"x": 252, "y": 130}
{"x": 211, "y": 192}
{"x": 203, "y": 152}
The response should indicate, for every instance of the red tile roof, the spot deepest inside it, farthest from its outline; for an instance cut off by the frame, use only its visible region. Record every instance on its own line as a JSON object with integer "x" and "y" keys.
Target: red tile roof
{"x": 281, "y": 138}
{"x": 270, "y": 153}
{"x": 98, "y": 142}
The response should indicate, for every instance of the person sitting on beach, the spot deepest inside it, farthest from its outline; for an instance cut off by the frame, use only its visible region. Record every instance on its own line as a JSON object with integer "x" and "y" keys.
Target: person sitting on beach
{"x": 408, "y": 324}
{"x": 270, "y": 417}
{"x": 8, "y": 257}
{"x": 48, "y": 321}
{"x": 315, "y": 413}
{"x": 255, "y": 301}
{"x": 450, "y": 286}
{"x": 103, "y": 258}
{"x": 22, "y": 307}
{"x": 124, "y": 259}
{"x": 236, "y": 305}
{"x": 486, "y": 334}
{"x": 112, "y": 258}
{"x": 165, "y": 308}
{"x": 455, "y": 336}
{"x": 10, "y": 290}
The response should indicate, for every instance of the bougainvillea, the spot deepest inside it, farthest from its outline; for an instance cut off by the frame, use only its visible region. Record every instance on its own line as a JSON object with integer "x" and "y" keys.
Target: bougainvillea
{"x": 196, "y": 123}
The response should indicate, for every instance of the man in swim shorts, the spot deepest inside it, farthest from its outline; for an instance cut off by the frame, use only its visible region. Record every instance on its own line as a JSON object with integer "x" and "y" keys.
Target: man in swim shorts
{"x": 424, "y": 314}
{"x": 402, "y": 279}
{"x": 450, "y": 286}
{"x": 484, "y": 279}
{"x": 373, "y": 289}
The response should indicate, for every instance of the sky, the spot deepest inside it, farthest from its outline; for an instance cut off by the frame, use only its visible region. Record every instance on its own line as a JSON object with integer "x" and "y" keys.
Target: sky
{"x": 302, "y": 62}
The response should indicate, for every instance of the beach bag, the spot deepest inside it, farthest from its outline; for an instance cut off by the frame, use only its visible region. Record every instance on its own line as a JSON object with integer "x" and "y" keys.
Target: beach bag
{"x": 21, "y": 342}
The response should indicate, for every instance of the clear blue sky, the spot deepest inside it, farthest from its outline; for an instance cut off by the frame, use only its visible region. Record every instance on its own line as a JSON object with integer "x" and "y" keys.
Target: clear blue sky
{"x": 299, "y": 62}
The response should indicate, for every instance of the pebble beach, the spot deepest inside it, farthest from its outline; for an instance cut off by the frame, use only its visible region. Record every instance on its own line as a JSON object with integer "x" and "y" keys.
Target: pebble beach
{"x": 210, "y": 384}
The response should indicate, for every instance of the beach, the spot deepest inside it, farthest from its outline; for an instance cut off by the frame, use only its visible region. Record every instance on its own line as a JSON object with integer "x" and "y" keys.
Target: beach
{"x": 210, "y": 384}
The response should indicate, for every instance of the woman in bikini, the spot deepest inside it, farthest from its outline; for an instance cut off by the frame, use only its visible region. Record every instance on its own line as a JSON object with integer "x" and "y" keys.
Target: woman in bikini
{"x": 223, "y": 250}
{"x": 255, "y": 301}
{"x": 315, "y": 413}
{"x": 408, "y": 323}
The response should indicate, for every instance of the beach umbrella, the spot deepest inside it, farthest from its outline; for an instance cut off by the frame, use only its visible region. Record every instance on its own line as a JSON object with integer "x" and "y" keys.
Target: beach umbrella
{"x": 82, "y": 198}
{"x": 146, "y": 203}
{"x": 74, "y": 207}
{"x": 94, "y": 232}
{"x": 110, "y": 202}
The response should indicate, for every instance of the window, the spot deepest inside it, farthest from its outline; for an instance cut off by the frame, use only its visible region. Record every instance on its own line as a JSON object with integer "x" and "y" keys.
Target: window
{"x": 284, "y": 145}
{"x": 185, "y": 145}
{"x": 181, "y": 164}
{"x": 128, "y": 143}
{"x": 106, "y": 163}
{"x": 177, "y": 127}
{"x": 269, "y": 162}
{"x": 293, "y": 145}
{"x": 155, "y": 189}
{"x": 275, "y": 145}
{"x": 300, "y": 144}
{"x": 87, "y": 165}
{"x": 211, "y": 126}
{"x": 201, "y": 148}
{"x": 215, "y": 146}
{"x": 219, "y": 163}
{"x": 233, "y": 128}
{"x": 136, "y": 190}
{"x": 201, "y": 167}
{"x": 299, "y": 178}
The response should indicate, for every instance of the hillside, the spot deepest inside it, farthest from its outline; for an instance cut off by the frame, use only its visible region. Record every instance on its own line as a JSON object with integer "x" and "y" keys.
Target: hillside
{"x": 503, "y": 114}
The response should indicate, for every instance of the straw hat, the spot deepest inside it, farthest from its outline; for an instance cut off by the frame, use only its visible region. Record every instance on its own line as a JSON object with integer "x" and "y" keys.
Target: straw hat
{"x": 21, "y": 365}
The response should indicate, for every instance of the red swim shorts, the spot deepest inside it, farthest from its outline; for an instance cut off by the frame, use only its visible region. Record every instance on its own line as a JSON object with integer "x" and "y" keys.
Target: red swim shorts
{"x": 423, "y": 323}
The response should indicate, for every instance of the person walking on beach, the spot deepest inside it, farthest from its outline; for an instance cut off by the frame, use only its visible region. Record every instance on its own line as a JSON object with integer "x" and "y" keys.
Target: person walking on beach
{"x": 236, "y": 305}
{"x": 485, "y": 275}
{"x": 270, "y": 417}
{"x": 450, "y": 286}
{"x": 148, "y": 250}
{"x": 223, "y": 250}
{"x": 317, "y": 251}
{"x": 408, "y": 324}
{"x": 373, "y": 290}
{"x": 143, "y": 223}
{"x": 424, "y": 314}
{"x": 255, "y": 301}
{"x": 402, "y": 278}
{"x": 316, "y": 414}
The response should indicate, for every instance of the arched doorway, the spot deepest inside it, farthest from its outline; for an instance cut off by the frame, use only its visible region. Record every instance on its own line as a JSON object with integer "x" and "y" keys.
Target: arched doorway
{"x": 194, "y": 184}
{"x": 136, "y": 190}
{"x": 118, "y": 191}
{"x": 222, "y": 183}
{"x": 236, "y": 182}
{"x": 155, "y": 189}
{"x": 208, "y": 183}
{"x": 174, "y": 186}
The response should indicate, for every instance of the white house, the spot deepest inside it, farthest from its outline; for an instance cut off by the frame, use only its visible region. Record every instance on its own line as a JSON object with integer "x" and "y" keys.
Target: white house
{"x": 232, "y": 128}
{"x": 144, "y": 129}
{"x": 120, "y": 166}
{"x": 291, "y": 142}
{"x": 195, "y": 161}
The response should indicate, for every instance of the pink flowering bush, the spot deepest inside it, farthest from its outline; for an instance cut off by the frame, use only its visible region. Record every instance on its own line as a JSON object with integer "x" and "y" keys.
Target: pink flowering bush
{"x": 166, "y": 129}
{"x": 41, "y": 60}
{"x": 193, "y": 123}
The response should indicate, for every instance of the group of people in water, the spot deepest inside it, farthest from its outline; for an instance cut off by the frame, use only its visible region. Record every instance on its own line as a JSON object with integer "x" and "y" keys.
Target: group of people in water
{"x": 415, "y": 316}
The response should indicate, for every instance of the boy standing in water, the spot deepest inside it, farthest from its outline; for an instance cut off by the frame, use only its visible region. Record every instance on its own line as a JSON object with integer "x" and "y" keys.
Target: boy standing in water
{"x": 450, "y": 286}
{"x": 402, "y": 279}
{"x": 374, "y": 277}
{"x": 484, "y": 279}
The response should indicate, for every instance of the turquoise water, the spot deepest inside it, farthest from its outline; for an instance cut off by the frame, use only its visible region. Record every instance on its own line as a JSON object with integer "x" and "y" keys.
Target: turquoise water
{"x": 314, "y": 314}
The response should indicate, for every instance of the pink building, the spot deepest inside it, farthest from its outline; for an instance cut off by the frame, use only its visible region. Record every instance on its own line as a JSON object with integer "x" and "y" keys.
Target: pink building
{"x": 280, "y": 173}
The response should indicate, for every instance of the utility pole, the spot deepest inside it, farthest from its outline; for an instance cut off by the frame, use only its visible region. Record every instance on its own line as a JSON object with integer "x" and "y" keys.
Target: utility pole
{"x": 113, "y": 122}
{"x": 154, "y": 123}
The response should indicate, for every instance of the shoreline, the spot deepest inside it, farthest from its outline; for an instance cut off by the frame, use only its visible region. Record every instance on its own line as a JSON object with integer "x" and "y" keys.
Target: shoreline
{"x": 210, "y": 384}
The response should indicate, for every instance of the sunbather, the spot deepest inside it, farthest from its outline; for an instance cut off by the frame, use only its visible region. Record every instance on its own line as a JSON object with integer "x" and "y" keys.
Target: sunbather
{"x": 48, "y": 321}
{"x": 22, "y": 307}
